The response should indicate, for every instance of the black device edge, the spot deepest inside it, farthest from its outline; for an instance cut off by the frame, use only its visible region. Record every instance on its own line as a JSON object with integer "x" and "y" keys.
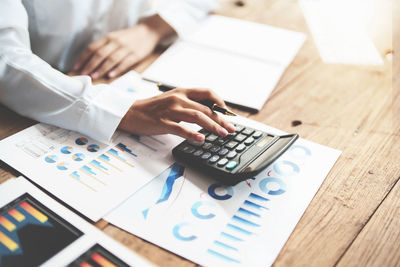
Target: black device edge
{"x": 233, "y": 179}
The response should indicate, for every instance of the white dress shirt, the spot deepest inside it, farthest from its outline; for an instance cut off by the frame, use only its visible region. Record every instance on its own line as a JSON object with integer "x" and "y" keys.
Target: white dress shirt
{"x": 41, "y": 39}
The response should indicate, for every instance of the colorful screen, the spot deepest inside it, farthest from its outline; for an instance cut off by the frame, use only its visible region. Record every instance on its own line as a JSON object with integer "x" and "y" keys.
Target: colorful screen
{"x": 30, "y": 233}
{"x": 97, "y": 256}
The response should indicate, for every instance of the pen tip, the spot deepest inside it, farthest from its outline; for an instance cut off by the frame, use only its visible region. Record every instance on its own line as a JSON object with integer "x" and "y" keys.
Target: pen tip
{"x": 230, "y": 113}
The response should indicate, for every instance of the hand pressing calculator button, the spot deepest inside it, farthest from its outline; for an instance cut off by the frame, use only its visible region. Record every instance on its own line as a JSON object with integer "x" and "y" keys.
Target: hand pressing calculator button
{"x": 235, "y": 157}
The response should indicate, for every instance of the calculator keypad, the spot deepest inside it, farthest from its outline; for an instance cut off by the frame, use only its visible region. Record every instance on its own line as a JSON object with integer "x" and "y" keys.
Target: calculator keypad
{"x": 223, "y": 152}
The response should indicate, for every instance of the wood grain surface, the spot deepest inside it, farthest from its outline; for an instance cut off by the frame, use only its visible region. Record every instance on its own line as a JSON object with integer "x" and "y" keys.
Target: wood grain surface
{"x": 354, "y": 219}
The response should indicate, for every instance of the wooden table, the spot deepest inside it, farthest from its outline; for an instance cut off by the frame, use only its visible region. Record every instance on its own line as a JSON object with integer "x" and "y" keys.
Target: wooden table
{"x": 355, "y": 217}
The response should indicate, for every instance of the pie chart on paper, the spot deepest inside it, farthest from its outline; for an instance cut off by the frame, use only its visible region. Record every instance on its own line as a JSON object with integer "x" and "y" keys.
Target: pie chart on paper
{"x": 78, "y": 156}
{"x": 93, "y": 148}
{"x": 66, "y": 150}
{"x": 81, "y": 141}
{"x": 62, "y": 166}
{"x": 50, "y": 158}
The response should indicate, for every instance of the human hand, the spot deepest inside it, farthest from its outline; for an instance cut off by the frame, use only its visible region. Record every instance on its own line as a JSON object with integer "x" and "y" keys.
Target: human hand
{"x": 119, "y": 50}
{"x": 161, "y": 114}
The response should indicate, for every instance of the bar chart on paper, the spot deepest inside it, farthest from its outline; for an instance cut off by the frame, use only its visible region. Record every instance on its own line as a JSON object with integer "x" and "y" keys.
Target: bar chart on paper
{"x": 25, "y": 220}
{"x": 82, "y": 171}
{"x": 91, "y": 177}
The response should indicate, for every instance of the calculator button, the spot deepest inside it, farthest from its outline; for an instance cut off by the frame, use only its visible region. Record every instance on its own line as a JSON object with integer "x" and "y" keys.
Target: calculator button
{"x": 188, "y": 149}
{"x": 204, "y": 131}
{"x": 257, "y": 134}
{"x": 249, "y": 141}
{"x": 231, "y": 165}
{"x": 198, "y": 144}
{"x": 214, "y": 159}
{"x": 231, "y": 144}
{"x": 231, "y": 155}
{"x": 198, "y": 152}
{"x": 211, "y": 138}
{"x": 240, "y": 137}
{"x": 215, "y": 149}
{"x": 223, "y": 151}
{"x": 238, "y": 128}
{"x": 240, "y": 148}
{"x": 248, "y": 131}
{"x": 222, "y": 162}
{"x": 207, "y": 146}
{"x": 220, "y": 141}
{"x": 206, "y": 155}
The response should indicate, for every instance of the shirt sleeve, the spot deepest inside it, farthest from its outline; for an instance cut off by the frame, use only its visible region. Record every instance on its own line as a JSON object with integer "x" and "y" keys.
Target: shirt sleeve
{"x": 184, "y": 15}
{"x": 32, "y": 88}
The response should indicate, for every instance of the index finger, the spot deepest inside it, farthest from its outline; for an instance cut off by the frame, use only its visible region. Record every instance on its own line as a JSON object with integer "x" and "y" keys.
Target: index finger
{"x": 202, "y": 94}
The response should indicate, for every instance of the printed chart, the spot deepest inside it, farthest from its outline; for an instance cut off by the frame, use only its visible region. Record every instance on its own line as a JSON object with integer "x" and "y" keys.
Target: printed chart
{"x": 215, "y": 225}
{"x": 98, "y": 256}
{"x": 91, "y": 177}
{"x": 25, "y": 222}
{"x": 35, "y": 230}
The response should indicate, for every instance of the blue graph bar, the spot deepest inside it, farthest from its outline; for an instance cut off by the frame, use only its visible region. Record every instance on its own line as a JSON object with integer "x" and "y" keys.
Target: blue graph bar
{"x": 258, "y": 197}
{"x": 104, "y": 157}
{"x": 76, "y": 175}
{"x": 115, "y": 154}
{"x": 223, "y": 245}
{"x": 137, "y": 139}
{"x": 254, "y": 205}
{"x": 98, "y": 165}
{"x": 244, "y": 221}
{"x": 249, "y": 213}
{"x": 222, "y": 256}
{"x": 126, "y": 149}
{"x": 238, "y": 229}
{"x": 88, "y": 170}
{"x": 231, "y": 237}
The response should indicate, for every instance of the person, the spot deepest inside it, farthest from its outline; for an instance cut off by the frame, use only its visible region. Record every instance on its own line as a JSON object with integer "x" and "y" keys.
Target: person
{"x": 41, "y": 40}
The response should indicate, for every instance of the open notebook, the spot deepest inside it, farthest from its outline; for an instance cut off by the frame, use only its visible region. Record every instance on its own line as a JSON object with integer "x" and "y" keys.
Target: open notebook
{"x": 241, "y": 61}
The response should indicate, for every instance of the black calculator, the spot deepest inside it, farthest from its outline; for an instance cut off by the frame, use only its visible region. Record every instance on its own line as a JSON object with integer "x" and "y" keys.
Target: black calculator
{"x": 236, "y": 157}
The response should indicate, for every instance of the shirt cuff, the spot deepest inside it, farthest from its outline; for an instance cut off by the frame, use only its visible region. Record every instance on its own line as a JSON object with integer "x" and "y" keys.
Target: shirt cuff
{"x": 104, "y": 113}
{"x": 185, "y": 15}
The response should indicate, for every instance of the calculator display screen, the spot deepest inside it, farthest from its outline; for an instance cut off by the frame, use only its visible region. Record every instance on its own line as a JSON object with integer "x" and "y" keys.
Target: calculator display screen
{"x": 265, "y": 141}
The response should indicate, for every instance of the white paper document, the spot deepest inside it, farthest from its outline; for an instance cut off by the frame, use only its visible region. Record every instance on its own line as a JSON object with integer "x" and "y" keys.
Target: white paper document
{"x": 240, "y": 60}
{"x": 90, "y": 176}
{"x": 197, "y": 218}
{"x": 36, "y": 230}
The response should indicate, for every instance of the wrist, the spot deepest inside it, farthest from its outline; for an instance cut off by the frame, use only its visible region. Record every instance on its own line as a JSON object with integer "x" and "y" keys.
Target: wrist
{"x": 157, "y": 26}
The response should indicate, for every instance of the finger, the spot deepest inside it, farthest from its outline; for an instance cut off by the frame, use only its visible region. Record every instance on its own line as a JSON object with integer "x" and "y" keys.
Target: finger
{"x": 98, "y": 57}
{"x": 110, "y": 62}
{"x": 125, "y": 64}
{"x": 202, "y": 93}
{"x": 207, "y": 111}
{"x": 93, "y": 47}
{"x": 177, "y": 129}
{"x": 195, "y": 116}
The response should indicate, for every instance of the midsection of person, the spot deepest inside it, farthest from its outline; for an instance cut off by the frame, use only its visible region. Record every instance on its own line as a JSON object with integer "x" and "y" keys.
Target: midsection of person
{"x": 61, "y": 30}
{"x": 97, "y": 38}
